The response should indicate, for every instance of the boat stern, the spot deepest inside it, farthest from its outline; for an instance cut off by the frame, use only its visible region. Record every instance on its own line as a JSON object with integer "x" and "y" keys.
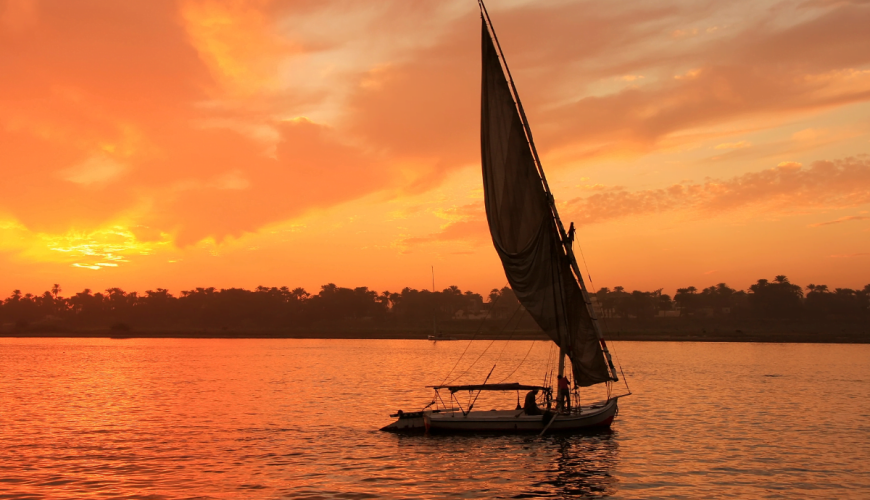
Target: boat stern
{"x": 408, "y": 422}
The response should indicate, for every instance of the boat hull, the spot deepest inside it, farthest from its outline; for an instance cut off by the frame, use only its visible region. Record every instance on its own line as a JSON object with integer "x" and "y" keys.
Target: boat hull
{"x": 598, "y": 416}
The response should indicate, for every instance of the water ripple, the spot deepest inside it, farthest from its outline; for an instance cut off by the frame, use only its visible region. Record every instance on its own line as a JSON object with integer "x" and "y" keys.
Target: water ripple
{"x": 221, "y": 419}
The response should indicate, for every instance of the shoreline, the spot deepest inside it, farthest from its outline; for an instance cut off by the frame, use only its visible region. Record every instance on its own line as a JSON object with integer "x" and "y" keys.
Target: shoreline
{"x": 784, "y": 338}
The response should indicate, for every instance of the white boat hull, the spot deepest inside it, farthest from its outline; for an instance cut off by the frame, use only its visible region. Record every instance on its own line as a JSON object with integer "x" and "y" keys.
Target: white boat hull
{"x": 597, "y": 416}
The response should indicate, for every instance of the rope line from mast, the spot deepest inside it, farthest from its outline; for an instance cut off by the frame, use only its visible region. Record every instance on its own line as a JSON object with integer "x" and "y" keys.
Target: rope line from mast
{"x": 548, "y": 375}
{"x": 521, "y": 363}
{"x": 604, "y": 320}
{"x": 507, "y": 340}
{"x": 487, "y": 347}
{"x": 479, "y": 327}
{"x": 516, "y": 327}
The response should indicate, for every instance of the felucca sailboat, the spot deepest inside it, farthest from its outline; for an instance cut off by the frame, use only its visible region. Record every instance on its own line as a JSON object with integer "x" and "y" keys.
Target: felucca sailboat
{"x": 538, "y": 259}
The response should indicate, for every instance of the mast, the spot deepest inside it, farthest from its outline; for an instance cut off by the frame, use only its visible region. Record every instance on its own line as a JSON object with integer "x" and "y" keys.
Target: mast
{"x": 566, "y": 246}
{"x": 435, "y": 310}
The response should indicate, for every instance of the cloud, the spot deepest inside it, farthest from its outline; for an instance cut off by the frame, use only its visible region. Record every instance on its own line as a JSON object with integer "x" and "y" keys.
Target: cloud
{"x": 110, "y": 246}
{"x": 783, "y": 189}
{"x": 186, "y": 117}
{"x": 191, "y": 111}
{"x": 466, "y": 223}
{"x": 237, "y": 42}
{"x": 473, "y": 232}
{"x": 758, "y": 71}
{"x": 17, "y": 16}
{"x": 734, "y": 145}
{"x": 313, "y": 166}
{"x": 234, "y": 179}
{"x": 184, "y": 111}
{"x": 840, "y": 220}
{"x": 96, "y": 170}
{"x": 789, "y": 165}
{"x": 405, "y": 212}
{"x": 808, "y": 134}
{"x": 786, "y": 188}
{"x": 687, "y": 33}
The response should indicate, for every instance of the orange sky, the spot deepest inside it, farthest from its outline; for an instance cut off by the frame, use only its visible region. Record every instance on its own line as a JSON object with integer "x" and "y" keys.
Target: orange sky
{"x": 241, "y": 143}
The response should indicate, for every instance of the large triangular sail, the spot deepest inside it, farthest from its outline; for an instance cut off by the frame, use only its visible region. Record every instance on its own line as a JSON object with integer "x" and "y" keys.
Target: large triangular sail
{"x": 525, "y": 229}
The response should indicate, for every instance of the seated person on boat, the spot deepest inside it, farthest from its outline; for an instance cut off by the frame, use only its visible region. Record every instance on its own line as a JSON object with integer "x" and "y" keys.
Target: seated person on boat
{"x": 531, "y": 405}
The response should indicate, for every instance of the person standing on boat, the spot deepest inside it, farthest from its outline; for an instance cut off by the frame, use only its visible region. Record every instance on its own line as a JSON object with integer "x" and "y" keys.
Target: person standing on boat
{"x": 531, "y": 404}
{"x": 564, "y": 395}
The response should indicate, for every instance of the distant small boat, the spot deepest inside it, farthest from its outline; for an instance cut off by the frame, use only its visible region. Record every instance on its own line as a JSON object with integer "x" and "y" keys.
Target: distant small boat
{"x": 538, "y": 260}
{"x": 440, "y": 336}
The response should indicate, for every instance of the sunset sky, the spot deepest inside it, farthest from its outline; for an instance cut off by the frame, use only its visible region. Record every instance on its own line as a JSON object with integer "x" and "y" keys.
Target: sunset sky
{"x": 178, "y": 144}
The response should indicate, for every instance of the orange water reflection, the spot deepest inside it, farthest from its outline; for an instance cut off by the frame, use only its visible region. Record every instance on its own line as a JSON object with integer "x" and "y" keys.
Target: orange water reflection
{"x": 299, "y": 418}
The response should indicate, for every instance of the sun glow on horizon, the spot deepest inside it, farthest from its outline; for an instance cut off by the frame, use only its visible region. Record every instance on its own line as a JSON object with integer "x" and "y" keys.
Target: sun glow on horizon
{"x": 96, "y": 249}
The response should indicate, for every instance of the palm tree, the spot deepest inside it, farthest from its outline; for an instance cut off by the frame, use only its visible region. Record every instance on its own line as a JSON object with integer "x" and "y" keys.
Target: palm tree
{"x": 685, "y": 298}
{"x": 385, "y": 298}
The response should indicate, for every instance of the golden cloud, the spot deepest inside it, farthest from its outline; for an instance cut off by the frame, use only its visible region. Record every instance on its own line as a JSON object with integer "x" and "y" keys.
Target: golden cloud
{"x": 734, "y": 145}
{"x": 110, "y": 246}
{"x": 840, "y": 220}
{"x": 784, "y": 189}
{"x": 467, "y": 224}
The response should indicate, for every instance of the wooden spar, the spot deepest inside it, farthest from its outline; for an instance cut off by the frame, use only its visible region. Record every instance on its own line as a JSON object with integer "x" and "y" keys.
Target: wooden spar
{"x": 548, "y": 425}
{"x": 479, "y": 391}
{"x": 569, "y": 251}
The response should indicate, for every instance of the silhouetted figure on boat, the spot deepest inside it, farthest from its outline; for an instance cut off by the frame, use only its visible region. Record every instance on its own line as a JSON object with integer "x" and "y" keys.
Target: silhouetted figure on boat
{"x": 531, "y": 404}
{"x": 564, "y": 396}
{"x": 571, "y": 232}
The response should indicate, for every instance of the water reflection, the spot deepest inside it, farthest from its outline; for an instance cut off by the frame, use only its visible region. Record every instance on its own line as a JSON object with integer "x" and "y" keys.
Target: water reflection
{"x": 582, "y": 467}
{"x": 268, "y": 419}
{"x": 510, "y": 466}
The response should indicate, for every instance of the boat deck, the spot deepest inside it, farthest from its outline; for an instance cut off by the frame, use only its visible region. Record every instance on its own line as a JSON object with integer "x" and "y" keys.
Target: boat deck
{"x": 596, "y": 415}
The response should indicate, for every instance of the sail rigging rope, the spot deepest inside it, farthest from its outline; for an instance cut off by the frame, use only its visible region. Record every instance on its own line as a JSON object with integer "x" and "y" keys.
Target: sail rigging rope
{"x": 479, "y": 391}
{"x": 507, "y": 341}
{"x": 521, "y": 363}
{"x": 604, "y": 320}
{"x": 490, "y": 345}
{"x": 516, "y": 327}
{"x": 479, "y": 327}
{"x": 547, "y": 373}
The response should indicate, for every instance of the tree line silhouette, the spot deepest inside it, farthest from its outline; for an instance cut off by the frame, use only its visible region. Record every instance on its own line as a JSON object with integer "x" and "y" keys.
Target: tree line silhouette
{"x": 775, "y": 299}
{"x": 263, "y": 307}
{"x": 339, "y": 307}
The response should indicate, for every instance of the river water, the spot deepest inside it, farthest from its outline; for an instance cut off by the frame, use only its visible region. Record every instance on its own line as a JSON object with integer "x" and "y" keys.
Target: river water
{"x": 179, "y": 418}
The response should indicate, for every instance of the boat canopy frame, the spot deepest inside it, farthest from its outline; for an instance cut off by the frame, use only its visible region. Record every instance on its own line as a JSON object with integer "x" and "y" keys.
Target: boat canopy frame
{"x": 515, "y": 386}
{"x": 491, "y": 387}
